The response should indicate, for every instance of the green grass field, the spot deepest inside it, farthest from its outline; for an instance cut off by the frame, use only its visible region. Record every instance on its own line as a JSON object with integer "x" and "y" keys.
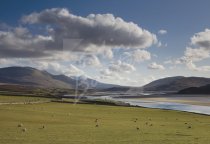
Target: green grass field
{"x": 18, "y": 99}
{"x": 75, "y": 124}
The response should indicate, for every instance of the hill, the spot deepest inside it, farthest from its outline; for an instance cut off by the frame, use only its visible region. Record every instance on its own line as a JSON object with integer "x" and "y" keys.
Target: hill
{"x": 27, "y": 76}
{"x": 196, "y": 90}
{"x": 175, "y": 84}
{"x": 30, "y": 77}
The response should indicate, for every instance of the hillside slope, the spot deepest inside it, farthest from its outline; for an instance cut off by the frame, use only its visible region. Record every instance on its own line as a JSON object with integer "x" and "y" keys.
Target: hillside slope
{"x": 196, "y": 90}
{"x": 33, "y": 77}
{"x": 176, "y": 83}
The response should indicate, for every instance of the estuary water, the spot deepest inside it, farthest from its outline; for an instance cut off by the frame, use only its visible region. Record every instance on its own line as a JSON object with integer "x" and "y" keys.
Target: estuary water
{"x": 200, "y": 109}
{"x": 169, "y": 106}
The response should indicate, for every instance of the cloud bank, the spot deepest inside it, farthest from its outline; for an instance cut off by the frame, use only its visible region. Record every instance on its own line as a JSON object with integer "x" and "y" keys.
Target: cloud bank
{"x": 199, "y": 51}
{"x": 93, "y": 33}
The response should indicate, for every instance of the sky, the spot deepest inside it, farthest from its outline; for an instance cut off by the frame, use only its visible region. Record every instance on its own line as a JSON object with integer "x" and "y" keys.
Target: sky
{"x": 130, "y": 42}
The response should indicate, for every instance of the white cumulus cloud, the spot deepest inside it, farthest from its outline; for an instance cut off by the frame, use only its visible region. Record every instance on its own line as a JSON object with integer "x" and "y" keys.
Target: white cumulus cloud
{"x": 162, "y": 32}
{"x": 137, "y": 55}
{"x": 199, "y": 50}
{"x": 156, "y": 66}
{"x": 89, "y": 60}
{"x": 95, "y": 29}
{"x": 121, "y": 67}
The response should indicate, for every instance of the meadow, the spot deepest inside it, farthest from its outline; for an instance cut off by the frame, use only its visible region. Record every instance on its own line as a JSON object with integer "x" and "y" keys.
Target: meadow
{"x": 65, "y": 123}
{"x": 21, "y": 99}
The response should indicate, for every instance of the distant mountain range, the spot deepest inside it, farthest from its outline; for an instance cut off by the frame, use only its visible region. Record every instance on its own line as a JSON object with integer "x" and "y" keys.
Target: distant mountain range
{"x": 196, "y": 90}
{"x": 28, "y": 76}
{"x": 175, "y": 84}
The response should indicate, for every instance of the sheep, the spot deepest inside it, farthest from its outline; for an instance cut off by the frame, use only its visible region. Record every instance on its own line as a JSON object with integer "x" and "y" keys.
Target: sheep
{"x": 135, "y": 120}
{"x": 97, "y": 125}
{"x": 137, "y": 128}
{"x": 20, "y": 125}
{"x": 24, "y": 130}
{"x": 96, "y": 120}
{"x": 189, "y": 127}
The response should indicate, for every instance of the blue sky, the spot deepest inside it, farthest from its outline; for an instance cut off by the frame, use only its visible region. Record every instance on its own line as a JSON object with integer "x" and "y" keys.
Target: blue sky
{"x": 180, "y": 20}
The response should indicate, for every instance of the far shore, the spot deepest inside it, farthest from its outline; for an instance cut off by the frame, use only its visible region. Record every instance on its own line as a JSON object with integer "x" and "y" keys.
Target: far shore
{"x": 191, "y": 102}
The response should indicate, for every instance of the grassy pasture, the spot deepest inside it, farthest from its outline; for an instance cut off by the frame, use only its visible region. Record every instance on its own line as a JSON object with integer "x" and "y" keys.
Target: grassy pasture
{"x": 63, "y": 123}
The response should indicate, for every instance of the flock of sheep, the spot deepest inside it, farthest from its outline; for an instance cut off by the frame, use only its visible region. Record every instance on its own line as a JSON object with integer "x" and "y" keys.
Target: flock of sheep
{"x": 97, "y": 124}
{"x": 25, "y": 129}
